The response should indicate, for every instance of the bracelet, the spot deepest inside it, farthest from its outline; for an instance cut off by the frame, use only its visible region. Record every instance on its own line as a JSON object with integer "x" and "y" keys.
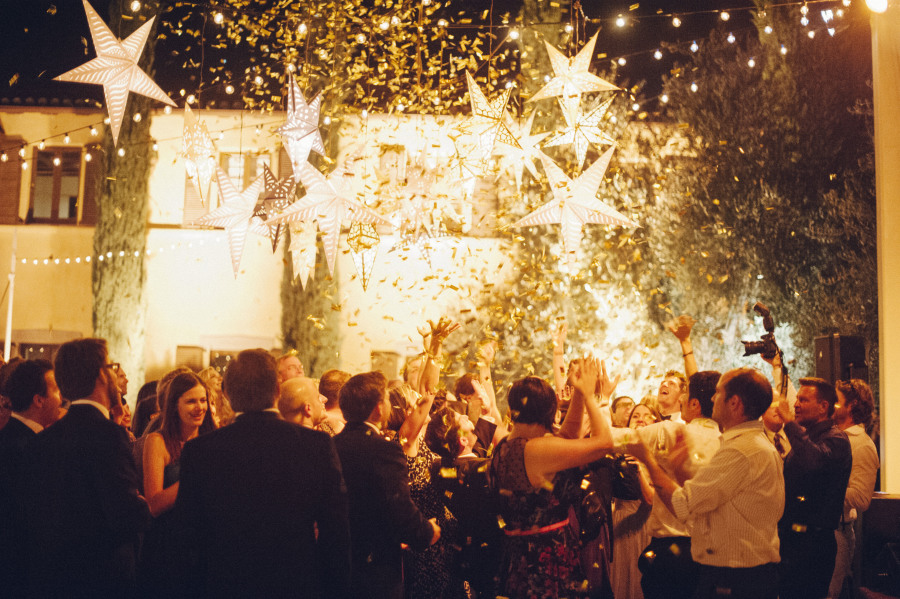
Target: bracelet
{"x": 687, "y": 354}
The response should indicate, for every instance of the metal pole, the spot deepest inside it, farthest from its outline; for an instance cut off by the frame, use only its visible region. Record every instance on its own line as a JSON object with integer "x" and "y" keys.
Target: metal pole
{"x": 7, "y": 343}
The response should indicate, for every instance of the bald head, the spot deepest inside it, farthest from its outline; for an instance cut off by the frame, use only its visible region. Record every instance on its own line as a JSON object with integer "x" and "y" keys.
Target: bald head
{"x": 300, "y": 402}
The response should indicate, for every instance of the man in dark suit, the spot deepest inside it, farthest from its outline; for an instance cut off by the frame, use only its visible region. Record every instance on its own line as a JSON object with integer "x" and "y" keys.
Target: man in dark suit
{"x": 382, "y": 515}
{"x": 80, "y": 496}
{"x": 265, "y": 497}
{"x": 35, "y": 402}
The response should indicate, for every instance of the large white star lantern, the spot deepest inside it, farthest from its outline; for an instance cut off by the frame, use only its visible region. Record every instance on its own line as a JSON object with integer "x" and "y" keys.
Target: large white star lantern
{"x": 116, "y": 68}
{"x": 575, "y": 204}
{"x": 571, "y": 76}
{"x": 490, "y": 122}
{"x": 327, "y": 201}
{"x": 199, "y": 153}
{"x": 300, "y": 133}
{"x": 582, "y": 129}
{"x": 278, "y": 194}
{"x": 235, "y": 214}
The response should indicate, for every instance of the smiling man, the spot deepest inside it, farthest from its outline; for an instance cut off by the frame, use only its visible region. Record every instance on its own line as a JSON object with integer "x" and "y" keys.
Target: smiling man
{"x": 816, "y": 472}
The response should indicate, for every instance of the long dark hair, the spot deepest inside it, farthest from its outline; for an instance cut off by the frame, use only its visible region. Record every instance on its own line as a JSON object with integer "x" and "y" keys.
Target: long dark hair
{"x": 170, "y": 429}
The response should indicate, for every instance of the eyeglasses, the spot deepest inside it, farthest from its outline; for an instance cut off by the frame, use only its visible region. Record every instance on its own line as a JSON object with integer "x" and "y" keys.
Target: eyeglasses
{"x": 114, "y": 366}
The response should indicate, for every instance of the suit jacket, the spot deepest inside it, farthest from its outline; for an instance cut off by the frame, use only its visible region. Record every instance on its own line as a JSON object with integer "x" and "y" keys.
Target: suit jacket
{"x": 13, "y": 439}
{"x": 83, "y": 510}
{"x": 382, "y": 515}
{"x": 256, "y": 492}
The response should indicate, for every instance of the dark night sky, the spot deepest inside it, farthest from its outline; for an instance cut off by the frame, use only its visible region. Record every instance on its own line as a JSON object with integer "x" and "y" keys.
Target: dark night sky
{"x": 36, "y": 46}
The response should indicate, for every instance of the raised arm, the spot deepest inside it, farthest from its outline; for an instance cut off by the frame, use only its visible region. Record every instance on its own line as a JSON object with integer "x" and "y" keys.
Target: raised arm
{"x": 681, "y": 327}
{"x": 559, "y": 358}
{"x": 486, "y": 355}
{"x": 413, "y": 423}
{"x": 433, "y": 340}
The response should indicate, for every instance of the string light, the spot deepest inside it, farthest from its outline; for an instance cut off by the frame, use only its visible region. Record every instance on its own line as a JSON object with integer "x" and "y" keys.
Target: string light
{"x": 751, "y": 63}
{"x": 4, "y": 157}
{"x": 694, "y": 86}
{"x": 568, "y": 28}
{"x": 811, "y": 34}
{"x": 664, "y": 98}
{"x": 695, "y": 46}
{"x": 41, "y": 145}
{"x": 229, "y": 89}
{"x": 658, "y": 54}
{"x": 620, "y": 21}
{"x": 725, "y": 15}
{"x": 768, "y": 29}
{"x": 676, "y": 22}
{"x": 218, "y": 18}
{"x": 56, "y": 161}
{"x": 302, "y": 28}
{"x": 384, "y": 25}
{"x": 783, "y": 49}
{"x": 514, "y": 34}
{"x": 94, "y": 132}
{"x": 804, "y": 21}
{"x": 730, "y": 38}
{"x": 87, "y": 157}
{"x": 22, "y": 152}
{"x": 621, "y": 61}
{"x": 67, "y": 139}
{"x": 121, "y": 152}
{"x": 135, "y": 6}
{"x": 24, "y": 166}
{"x": 804, "y": 10}
{"x": 137, "y": 117}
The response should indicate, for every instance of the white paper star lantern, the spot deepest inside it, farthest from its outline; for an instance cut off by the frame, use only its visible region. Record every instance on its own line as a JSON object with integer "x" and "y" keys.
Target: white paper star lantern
{"x": 575, "y": 204}
{"x": 277, "y": 195}
{"x": 523, "y": 157}
{"x": 116, "y": 68}
{"x": 571, "y": 76}
{"x": 199, "y": 153}
{"x": 235, "y": 213}
{"x": 327, "y": 201}
{"x": 490, "y": 123}
{"x": 582, "y": 129}
{"x": 300, "y": 133}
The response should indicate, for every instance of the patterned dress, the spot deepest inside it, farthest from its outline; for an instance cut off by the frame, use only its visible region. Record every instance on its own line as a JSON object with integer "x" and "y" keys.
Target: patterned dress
{"x": 541, "y": 554}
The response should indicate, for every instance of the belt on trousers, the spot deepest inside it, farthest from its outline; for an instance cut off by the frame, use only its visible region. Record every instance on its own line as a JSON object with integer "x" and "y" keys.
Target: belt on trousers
{"x": 537, "y": 531}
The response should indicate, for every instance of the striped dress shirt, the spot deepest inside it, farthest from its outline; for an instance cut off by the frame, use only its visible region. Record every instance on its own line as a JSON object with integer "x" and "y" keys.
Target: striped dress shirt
{"x": 733, "y": 504}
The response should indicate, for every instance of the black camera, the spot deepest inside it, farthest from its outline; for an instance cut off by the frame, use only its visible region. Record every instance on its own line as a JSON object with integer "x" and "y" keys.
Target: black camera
{"x": 766, "y": 346}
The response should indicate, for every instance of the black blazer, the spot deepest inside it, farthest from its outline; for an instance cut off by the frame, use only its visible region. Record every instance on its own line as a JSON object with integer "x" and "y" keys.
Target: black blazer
{"x": 382, "y": 515}
{"x": 83, "y": 510}
{"x": 256, "y": 492}
{"x": 13, "y": 439}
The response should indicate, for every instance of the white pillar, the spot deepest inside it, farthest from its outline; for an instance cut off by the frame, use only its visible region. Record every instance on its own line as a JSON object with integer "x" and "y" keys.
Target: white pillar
{"x": 886, "y": 75}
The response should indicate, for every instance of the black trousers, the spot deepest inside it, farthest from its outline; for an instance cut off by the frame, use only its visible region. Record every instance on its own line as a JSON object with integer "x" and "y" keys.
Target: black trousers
{"x": 807, "y": 563}
{"x": 667, "y": 569}
{"x": 758, "y": 582}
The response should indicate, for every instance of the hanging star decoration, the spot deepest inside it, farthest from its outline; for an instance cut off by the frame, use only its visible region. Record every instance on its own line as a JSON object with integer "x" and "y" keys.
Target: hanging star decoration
{"x": 575, "y": 204}
{"x": 303, "y": 250}
{"x": 277, "y": 195}
{"x": 363, "y": 240}
{"x": 199, "y": 153}
{"x": 327, "y": 201}
{"x": 300, "y": 133}
{"x": 571, "y": 76}
{"x": 582, "y": 129}
{"x": 523, "y": 157}
{"x": 490, "y": 122}
{"x": 116, "y": 68}
{"x": 235, "y": 213}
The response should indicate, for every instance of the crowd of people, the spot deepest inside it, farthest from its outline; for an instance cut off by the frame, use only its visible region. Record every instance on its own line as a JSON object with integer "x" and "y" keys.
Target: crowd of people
{"x": 267, "y": 483}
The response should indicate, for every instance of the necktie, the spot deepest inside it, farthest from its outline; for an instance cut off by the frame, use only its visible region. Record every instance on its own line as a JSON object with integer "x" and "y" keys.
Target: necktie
{"x": 778, "y": 444}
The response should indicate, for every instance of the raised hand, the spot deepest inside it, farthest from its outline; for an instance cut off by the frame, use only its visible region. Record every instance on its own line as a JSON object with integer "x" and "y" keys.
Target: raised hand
{"x": 585, "y": 375}
{"x": 559, "y": 336}
{"x": 681, "y": 326}
{"x": 605, "y": 385}
{"x": 487, "y": 352}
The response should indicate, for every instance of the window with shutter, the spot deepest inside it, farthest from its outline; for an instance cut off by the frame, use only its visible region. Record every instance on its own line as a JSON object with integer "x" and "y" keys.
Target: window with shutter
{"x": 55, "y": 186}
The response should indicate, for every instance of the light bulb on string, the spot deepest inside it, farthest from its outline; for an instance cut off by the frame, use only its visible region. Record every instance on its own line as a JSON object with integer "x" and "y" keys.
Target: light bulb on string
{"x": 121, "y": 152}
{"x": 302, "y": 28}
{"x": 155, "y": 147}
{"x": 24, "y": 166}
{"x": 811, "y": 34}
{"x": 41, "y": 145}
{"x": 664, "y": 98}
{"x": 621, "y": 61}
{"x": 694, "y": 46}
{"x": 804, "y": 10}
{"x": 56, "y": 161}
{"x": 568, "y": 28}
{"x": 658, "y": 54}
{"x": 94, "y": 132}
{"x": 229, "y": 89}
{"x": 768, "y": 29}
{"x": 442, "y": 23}
{"x": 725, "y": 15}
{"x": 635, "y": 107}
{"x": 135, "y": 6}
{"x": 804, "y": 21}
{"x": 751, "y": 63}
{"x": 730, "y": 38}
{"x": 676, "y": 22}
{"x": 137, "y": 117}
{"x": 514, "y": 34}
{"x": 22, "y": 152}
{"x": 218, "y": 18}
{"x": 4, "y": 157}
{"x": 167, "y": 110}
{"x": 620, "y": 21}
{"x": 87, "y": 157}
{"x": 384, "y": 25}
{"x": 361, "y": 38}
{"x": 694, "y": 86}
{"x": 67, "y": 139}
{"x": 783, "y": 49}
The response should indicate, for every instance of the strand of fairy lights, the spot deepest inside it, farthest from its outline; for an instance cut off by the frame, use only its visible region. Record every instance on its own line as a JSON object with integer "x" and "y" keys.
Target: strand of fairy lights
{"x": 114, "y": 255}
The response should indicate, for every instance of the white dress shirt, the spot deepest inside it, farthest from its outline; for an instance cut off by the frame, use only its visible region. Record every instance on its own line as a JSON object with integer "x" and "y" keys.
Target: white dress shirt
{"x": 90, "y": 402}
{"x": 702, "y": 438}
{"x": 734, "y": 503}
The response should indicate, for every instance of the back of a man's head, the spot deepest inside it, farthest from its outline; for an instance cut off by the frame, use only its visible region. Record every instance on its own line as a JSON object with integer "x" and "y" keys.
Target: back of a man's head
{"x": 251, "y": 381}
{"x": 26, "y": 381}
{"x": 754, "y": 390}
{"x": 360, "y": 394}
{"x": 330, "y": 385}
{"x": 702, "y": 387}
{"x": 442, "y": 434}
{"x": 824, "y": 391}
{"x": 77, "y": 366}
